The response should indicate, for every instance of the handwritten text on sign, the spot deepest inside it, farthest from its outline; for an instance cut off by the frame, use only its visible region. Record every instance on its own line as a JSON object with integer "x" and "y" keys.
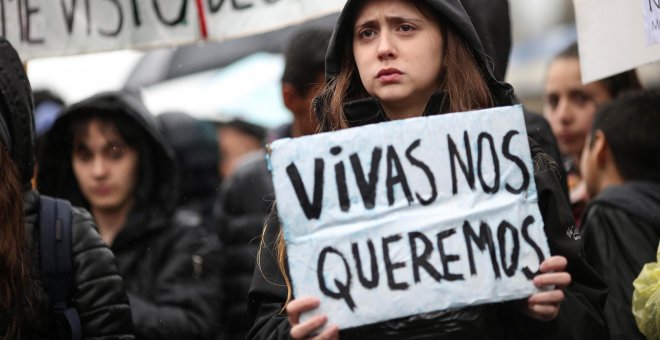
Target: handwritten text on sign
{"x": 443, "y": 207}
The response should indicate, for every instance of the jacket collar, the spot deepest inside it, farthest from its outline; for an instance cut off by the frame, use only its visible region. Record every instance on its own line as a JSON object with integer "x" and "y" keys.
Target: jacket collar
{"x": 369, "y": 110}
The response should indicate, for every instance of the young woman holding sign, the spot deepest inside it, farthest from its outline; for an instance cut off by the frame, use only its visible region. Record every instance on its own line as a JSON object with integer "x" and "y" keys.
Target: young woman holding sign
{"x": 396, "y": 59}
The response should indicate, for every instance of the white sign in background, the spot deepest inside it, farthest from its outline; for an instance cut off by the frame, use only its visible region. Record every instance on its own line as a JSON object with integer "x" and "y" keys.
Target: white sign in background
{"x": 418, "y": 234}
{"x": 616, "y": 35}
{"x": 40, "y": 28}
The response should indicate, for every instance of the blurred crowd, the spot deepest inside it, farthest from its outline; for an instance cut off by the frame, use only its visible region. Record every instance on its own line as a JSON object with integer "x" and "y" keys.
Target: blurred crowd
{"x": 168, "y": 211}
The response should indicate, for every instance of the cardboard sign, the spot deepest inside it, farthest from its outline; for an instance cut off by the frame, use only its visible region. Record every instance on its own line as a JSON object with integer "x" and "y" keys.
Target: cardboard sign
{"x": 441, "y": 207}
{"x": 616, "y": 36}
{"x": 39, "y": 28}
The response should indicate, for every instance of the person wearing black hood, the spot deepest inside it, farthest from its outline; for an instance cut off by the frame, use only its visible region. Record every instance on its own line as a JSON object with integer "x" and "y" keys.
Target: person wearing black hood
{"x": 98, "y": 294}
{"x": 398, "y": 59}
{"x": 106, "y": 154}
{"x": 621, "y": 168}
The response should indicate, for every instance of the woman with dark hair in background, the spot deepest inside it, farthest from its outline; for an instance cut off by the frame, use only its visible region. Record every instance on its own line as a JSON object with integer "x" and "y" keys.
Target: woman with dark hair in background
{"x": 569, "y": 107}
{"x": 98, "y": 294}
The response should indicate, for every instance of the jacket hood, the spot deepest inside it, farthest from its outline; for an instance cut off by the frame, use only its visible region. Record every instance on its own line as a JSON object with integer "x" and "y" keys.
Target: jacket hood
{"x": 456, "y": 15}
{"x": 637, "y": 198}
{"x": 16, "y": 108}
{"x": 195, "y": 145}
{"x": 157, "y": 182}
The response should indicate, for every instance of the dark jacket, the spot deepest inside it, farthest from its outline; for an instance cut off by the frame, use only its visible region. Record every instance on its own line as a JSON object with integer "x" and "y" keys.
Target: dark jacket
{"x": 98, "y": 295}
{"x": 98, "y": 292}
{"x": 243, "y": 204}
{"x": 580, "y": 315}
{"x": 621, "y": 231}
{"x": 170, "y": 269}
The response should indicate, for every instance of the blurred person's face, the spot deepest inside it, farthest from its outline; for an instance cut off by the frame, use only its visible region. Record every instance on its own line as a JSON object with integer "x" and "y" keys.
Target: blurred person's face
{"x": 570, "y": 106}
{"x": 234, "y": 144}
{"x": 105, "y": 167}
{"x": 398, "y": 52}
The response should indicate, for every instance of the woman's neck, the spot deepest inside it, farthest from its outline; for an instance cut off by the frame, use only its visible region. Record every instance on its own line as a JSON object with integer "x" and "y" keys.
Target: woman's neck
{"x": 111, "y": 221}
{"x": 405, "y": 109}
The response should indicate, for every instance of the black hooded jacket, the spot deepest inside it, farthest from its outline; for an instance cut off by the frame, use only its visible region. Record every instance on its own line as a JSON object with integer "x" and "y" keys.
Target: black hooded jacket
{"x": 98, "y": 292}
{"x": 621, "y": 231}
{"x": 580, "y": 315}
{"x": 170, "y": 269}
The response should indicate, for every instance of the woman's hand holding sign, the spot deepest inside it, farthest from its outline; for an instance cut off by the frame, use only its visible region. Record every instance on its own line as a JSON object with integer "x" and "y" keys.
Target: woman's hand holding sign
{"x": 545, "y": 305}
{"x": 306, "y": 329}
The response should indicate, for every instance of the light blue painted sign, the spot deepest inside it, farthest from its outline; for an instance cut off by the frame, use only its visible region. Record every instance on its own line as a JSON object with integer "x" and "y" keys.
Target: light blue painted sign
{"x": 410, "y": 216}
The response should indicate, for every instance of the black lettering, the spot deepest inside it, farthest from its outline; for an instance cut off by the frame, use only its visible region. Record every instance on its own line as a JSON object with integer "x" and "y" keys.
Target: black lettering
{"x": 427, "y": 171}
{"x": 390, "y": 267}
{"x": 444, "y": 258}
{"x": 529, "y": 220}
{"x": 240, "y": 6}
{"x": 657, "y": 4}
{"x": 136, "y": 14}
{"x": 423, "y": 259}
{"x": 367, "y": 188}
{"x": 369, "y": 284}
{"x": 483, "y": 241}
{"x": 29, "y": 11}
{"x": 181, "y": 16}
{"x": 214, "y": 7}
{"x": 509, "y": 270}
{"x": 69, "y": 14}
{"x": 507, "y": 154}
{"x": 394, "y": 162}
{"x": 343, "y": 289}
{"x": 120, "y": 22}
{"x": 496, "y": 164}
{"x": 468, "y": 170}
{"x": 340, "y": 179}
{"x": 312, "y": 210}
{"x": 2, "y": 16}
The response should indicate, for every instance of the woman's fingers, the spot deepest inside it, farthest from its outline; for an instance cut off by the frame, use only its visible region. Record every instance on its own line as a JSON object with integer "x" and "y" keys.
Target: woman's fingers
{"x": 543, "y": 312}
{"x": 559, "y": 280}
{"x": 553, "y": 297}
{"x": 554, "y": 264}
{"x": 298, "y": 306}
{"x": 303, "y": 330}
{"x": 330, "y": 333}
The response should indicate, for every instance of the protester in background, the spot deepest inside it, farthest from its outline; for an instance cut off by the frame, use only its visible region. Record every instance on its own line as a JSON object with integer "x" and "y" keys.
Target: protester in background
{"x": 195, "y": 146}
{"x": 621, "y": 169}
{"x": 106, "y": 154}
{"x": 25, "y": 309}
{"x": 247, "y": 196}
{"x": 569, "y": 106}
{"x": 398, "y": 59}
{"x": 236, "y": 139}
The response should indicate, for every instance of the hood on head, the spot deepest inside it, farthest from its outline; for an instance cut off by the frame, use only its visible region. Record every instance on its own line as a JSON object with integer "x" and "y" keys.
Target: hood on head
{"x": 157, "y": 182}
{"x": 16, "y": 108}
{"x": 454, "y": 12}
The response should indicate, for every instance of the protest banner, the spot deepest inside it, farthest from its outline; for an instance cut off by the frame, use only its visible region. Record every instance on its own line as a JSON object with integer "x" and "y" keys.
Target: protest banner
{"x": 442, "y": 207}
{"x": 616, "y": 36}
{"x": 39, "y": 28}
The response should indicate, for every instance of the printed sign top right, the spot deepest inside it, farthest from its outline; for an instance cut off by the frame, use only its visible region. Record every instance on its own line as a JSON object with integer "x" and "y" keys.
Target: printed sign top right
{"x": 652, "y": 21}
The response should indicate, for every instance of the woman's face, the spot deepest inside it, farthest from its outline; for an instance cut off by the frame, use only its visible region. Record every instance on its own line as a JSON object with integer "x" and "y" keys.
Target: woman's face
{"x": 570, "y": 106}
{"x": 398, "y": 52}
{"x": 105, "y": 167}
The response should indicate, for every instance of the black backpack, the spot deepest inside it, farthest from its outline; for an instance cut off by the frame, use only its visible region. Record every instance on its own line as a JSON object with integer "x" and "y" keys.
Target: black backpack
{"x": 55, "y": 242}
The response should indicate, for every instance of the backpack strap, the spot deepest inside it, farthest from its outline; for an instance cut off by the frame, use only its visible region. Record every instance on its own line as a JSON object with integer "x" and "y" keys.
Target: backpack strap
{"x": 55, "y": 230}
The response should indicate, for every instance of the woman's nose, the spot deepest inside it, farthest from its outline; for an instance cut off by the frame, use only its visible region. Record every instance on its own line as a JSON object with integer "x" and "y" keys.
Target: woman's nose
{"x": 99, "y": 168}
{"x": 564, "y": 112}
{"x": 386, "y": 48}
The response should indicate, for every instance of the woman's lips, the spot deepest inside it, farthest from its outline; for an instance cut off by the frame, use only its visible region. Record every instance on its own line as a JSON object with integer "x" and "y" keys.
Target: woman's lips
{"x": 102, "y": 191}
{"x": 388, "y": 75}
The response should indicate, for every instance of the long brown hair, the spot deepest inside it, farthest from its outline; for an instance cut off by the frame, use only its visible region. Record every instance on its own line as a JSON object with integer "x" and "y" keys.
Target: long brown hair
{"x": 461, "y": 78}
{"x": 15, "y": 282}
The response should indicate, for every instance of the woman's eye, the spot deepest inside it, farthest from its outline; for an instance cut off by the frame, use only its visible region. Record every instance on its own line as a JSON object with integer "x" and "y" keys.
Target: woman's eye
{"x": 406, "y": 28}
{"x": 116, "y": 152}
{"x": 366, "y": 33}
